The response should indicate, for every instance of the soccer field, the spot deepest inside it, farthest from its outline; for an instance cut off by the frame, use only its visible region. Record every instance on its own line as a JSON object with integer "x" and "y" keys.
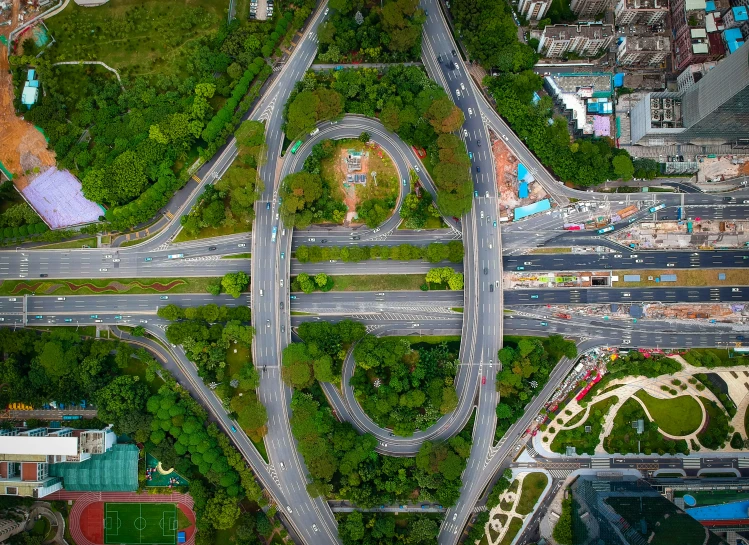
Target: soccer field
{"x": 136, "y": 523}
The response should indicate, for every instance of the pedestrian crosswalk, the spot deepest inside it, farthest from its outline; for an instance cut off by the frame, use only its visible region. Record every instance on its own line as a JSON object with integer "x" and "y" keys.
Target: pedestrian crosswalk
{"x": 530, "y": 450}
{"x": 560, "y": 473}
{"x": 479, "y": 508}
{"x": 600, "y": 463}
{"x": 743, "y": 462}
{"x": 692, "y": 463}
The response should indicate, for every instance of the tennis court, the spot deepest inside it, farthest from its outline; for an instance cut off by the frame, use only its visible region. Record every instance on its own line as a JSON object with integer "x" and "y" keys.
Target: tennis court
{"x": 135, "y": 523}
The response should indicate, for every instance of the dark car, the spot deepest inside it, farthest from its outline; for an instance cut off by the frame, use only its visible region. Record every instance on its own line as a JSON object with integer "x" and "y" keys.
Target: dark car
{"x": 267, "y": 206}
{"x": 43, "y": 275}
{"x": 281, "y": 305}
{"x": 739, "y": 337}
{"x": 478, "y": 143}
{"x": 356, "y": 237}
{"x": 727, "y": 199}
{"x": 491, "y": 287}
{"x": 478, "y": 169}
{"x": 211, "y": 248}
{"x": 324, "y": 240}
{"x": 486, "y": 270}
{"x": 454, "y": 53}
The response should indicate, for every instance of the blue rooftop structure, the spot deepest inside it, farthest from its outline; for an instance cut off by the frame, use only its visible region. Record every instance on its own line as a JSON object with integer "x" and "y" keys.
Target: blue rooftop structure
{"x": 525, "y": 211}
{"x": 523, "y": 174}
{"x": 733, "y": 39}
{"x": 740, "y": 14}
{"x": 31, "y": 75}
{"x": 536, "y": 98}
{"x": 668, "y": 278}
{"x": 523, "y": 190}
{"x": 728, "y": 511}
{"x": 709, "y": 6}
{"x": 619, "y": 79}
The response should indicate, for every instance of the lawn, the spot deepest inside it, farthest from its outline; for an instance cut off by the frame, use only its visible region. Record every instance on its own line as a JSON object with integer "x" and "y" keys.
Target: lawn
{"x": 680, "y": 415}
{"x": 431, "y": 223}
{"x": 388, "y": 183}
{"x": 512, "y": 530}
{"x": 79, "y": 243}
{"x": 552, "y": 250}
{"x": 131, "y": 523}
{"x": 686, "y": 277}
{"x": 624, "y": 439}
{"x": 576, "y": 437}
{"x": 714, "y": 357}
{"x": 210, "y": 232}
{"x": 139, "y": 36}
{"x": 713, "y": 497}
{"x": 382, "y": 282}
{"x": 136, "y": 368}
{"x": 237, "y": 256}
{"x": 533, "y": 486}
{"x": 135, "y": 241}
{"x": 235, "y": 361}
{"x": 114, "y": 285}
{"x": 714, "y": 435}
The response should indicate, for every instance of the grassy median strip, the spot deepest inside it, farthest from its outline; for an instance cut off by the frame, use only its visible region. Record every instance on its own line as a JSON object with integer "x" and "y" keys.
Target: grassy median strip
{"x": 72, "y": 244}
{"x": 106, "y": 286}
{"x": 551, "y": 250}
{"x": 237, "y": 256}
{"x": 684, "y": 277}
{"x": 135, "y": 241}
{"x": 381, "y": 282}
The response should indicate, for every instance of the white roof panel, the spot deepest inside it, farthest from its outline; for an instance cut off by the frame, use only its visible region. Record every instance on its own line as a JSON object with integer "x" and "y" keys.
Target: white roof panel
{"x": 45, "y": 446}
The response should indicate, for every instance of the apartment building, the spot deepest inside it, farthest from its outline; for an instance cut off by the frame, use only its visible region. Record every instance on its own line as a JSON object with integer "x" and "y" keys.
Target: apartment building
{"x": 643, "y": 50}
{"x": 693, "y": 41}
{"x": 584, "y": 39}
{"x": 533, "y": 10}
{"x": 588, "y": 9}
{"x": 642, "y": 12}
{"x": 693, "y": 73}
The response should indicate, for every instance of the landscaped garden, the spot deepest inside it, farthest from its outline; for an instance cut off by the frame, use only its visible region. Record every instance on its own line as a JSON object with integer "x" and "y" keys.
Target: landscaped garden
{"x": 715, "y": 433}
{"x": 404, "y": 384}
{"x": 584, "y": 441}
{"x": 625, "y": 439}
{"x": 678, "y": 416}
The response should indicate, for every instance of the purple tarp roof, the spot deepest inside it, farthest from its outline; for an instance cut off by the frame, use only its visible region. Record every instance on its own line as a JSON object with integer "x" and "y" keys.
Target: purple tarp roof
{"x": 57, "y": 197}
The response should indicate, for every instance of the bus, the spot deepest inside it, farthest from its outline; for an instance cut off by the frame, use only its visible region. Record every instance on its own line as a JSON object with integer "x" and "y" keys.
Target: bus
{"x": 273, "y": 234}
{"x": 296, "y": 146}
{"x": 175, "y": 256}
{"x": 71, "y": 417}
{"x": 605, "y": 230}
{"x": 656, "y": 208}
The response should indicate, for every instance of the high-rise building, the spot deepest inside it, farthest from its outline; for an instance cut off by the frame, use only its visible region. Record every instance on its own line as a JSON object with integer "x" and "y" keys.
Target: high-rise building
{"x": 694, "y": 73}
{"x": 534, "y": 10}
{"x": 644, "y": 12}
{"x": 585, "y": 39}
{"x": 643, "y": 50}
{"x": 588, "y": 9}
{"x": 628, "y": 511}
{"x": 715, "y": 110}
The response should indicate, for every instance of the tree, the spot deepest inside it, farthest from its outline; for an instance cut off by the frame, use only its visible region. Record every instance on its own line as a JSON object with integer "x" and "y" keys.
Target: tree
{"x": 623, "y": 167}
{"x": 235, "y": 283}
{"x": 221, "y": 511}
{"x": 171, "y": 312}
{"x": 364, "y": 137}
{"x": 563, "y": 530}
{"x": 424, "y": 530}
{"x": 138, "y": 331}
{"x": 124, "y": 395}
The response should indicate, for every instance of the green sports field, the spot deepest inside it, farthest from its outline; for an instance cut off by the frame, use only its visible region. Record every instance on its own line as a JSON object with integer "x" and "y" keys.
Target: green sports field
{"x": 131, "y": 523}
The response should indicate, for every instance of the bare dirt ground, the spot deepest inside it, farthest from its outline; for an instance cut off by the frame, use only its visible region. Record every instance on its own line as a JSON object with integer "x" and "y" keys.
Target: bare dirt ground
{"x": 22, "y": 147}
{"x": 506, "y": 165}
{"x": 350, "y": 197}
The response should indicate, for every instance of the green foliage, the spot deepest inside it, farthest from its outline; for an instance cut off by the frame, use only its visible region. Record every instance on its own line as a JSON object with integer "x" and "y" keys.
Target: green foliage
{"x": 310, "y": 107}
{"x": 387, "y": 528}
{"x": 585, "y": 162}
{"x": 209, "y": 313}
{"x": 490, "y": 35}
{"x": 391, "y": 34}
{"x": 715, "y": 434}
{"x": 563, "y": 529}
{"x": 235, "y": 283}
{"x": 416, "y": 382}
{"x": 445, "y": 275}
{"x": 636, "y": 364}
{"x": 435, "y": 252}
{"x": 625, "y": 440}
{"x": 308, "y": 284}
{"x": 725, "y": 400}
{"x": 577, "y": 437}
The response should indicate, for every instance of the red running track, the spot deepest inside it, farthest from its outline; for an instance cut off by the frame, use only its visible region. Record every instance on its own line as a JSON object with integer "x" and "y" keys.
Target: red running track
{"x": 87, "y": 506}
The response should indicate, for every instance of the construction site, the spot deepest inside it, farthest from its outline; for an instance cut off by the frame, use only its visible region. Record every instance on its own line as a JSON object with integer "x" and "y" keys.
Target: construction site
{"x": 695, "y": 234}
{"x": 712, "y": 313}
{"x": 23, "y": 148}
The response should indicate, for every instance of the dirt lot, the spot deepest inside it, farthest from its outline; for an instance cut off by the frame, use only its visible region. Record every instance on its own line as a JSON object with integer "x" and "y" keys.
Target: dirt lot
{"x": 22, "y": 147}
{"x": 373, "y": 159}
{"x": 506, "y": 165}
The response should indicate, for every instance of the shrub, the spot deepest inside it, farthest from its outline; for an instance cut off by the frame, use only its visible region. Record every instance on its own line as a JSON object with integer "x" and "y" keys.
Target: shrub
{"x": 736, "y": 441}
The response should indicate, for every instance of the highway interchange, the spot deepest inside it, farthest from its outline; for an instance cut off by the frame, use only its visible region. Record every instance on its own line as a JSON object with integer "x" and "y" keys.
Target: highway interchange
{"x": 483, "y": 300}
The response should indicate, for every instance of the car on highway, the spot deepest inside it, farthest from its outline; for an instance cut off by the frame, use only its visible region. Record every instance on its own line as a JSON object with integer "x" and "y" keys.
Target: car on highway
{"x": 638, "y": 260}
{"x": 164, "y": 297}
{"x": 242, "y": 245}
{"x": 356, "y": 237}
{"x": 626, "y": 294}
{"x": 486, "y": 270}
{"x": 521, "y": 268}
{"x": 211, "y": 248}
{"x": 116, "y": 260}
{"x": 670, "y": 264}
{"x": 739, "y": 337}
{"x": 617, "y": 255}
{"x": 462, "y": 86}
{"x": 314, "y": 526}
{"x": 108, "y": 256}
{"x": 283, "y": 255}
{"x": 68, "y": 319}
{"x": 281, "y": 305}
{"x": 626, "y": 341}
{"x": 44, "y": 275}
{"x": 505, "y": 137}
{"x": 148, "y": 259}
{"x": 292, "y": 296}
{"x": 288, "y": 508}
{"x": 13, "y": 299}
{"x": 416, "y": 168}
{"x": 323, "y": 240}
{"x": 457, "y": 93}
{"x": 527, "y": 263}
{"x": 404, "y": 181}
{"x": 283, "y": 328}
{"x": 478, "y": 169}
{"x": 470, "y": 155}
{"x": 545, "y": 324}
{"x": 534, "y": 296}
{"x": 282, "y": 282}
{"x": 483, "y": 380}
{"x": 233, "y": 429}
{"x": 465, "y": 132}
{"x": 470, "y": 111}
{"x": 495, "y": 224}
{"x": 732, "y": 289}
{"x": 100, "y": 270}
{"x": 478, "y": 143}
{"x": 455, "y": 64}
{"x": 118, "y": 317}
{"x": 475, "y": 193}
{"x": 267, "y": 323}
{"x": 491, "y": 287}
{"x": 267, "y": 206}
{"x": 282, "y": 465}
{"x": 94, "y": 316}
{"x": 454, "y": 53}
{"x": 39, "y": 317}
{"x": 62, "y": 298}
{"x": 261, "y": 293}
{"x": 482, "y": 214}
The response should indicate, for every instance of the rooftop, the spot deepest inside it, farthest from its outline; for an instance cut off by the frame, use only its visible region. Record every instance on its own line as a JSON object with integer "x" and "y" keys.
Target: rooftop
{"x": 39, "y": 446}
{"x": 594, "y": 31}
{"x": 648, "y": 43}
{"x": 646, "y": 4}
{"x": 740, "y": 13}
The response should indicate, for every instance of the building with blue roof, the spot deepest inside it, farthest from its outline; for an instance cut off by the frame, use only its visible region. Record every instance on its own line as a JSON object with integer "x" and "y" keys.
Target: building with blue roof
{"x": 735, "y": 17}
{"x": 710, "y": 6}
{"x": 733, "y": 38}
{"x": 523, "y": 190}
{"x": 30, "y": 93}
{"x": 535, "y": 208}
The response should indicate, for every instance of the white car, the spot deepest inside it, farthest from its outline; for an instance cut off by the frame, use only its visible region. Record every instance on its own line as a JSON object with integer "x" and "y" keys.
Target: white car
{"x": 505, "y": 137}
{"x": 638, "y": 260}
{"x": 282, "y": 466}
{"x": 455, "y": 64}
{"x": 288, "y": 508}
{"x": 465, "y": 133}
{"x": 282, "y": 282}
{"x": 633, "y": 256}
{"x": 670, "y": 264}
{"x": 12, "y": 299}
{"x": 457, "y": 92}
{"x": 107, "y": 256}
{"x": 115, "y": 261}
{"x": 326, "y": 11}
{"x": 384, "y": 444}
{"x": 482, "y": 214}
{"x": 527, "y": 262}
{"x": 626, "y": 294}
{"x": 470, "y": 111}
{"x": 486, "y": 195}
{"x": 626, "y": 341}
{"x": 242, "y": 245}
{"x": 103, "y": 270}
{"x": 617, "y": 255}
{"x": 735, "y": 289}
{"x": 462, "y": 86}
{"x": 311, "y": 239}
{"x": 416, "y": 168}
{"x": 314, "y": 527}
{"x": 455, "y": 517}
